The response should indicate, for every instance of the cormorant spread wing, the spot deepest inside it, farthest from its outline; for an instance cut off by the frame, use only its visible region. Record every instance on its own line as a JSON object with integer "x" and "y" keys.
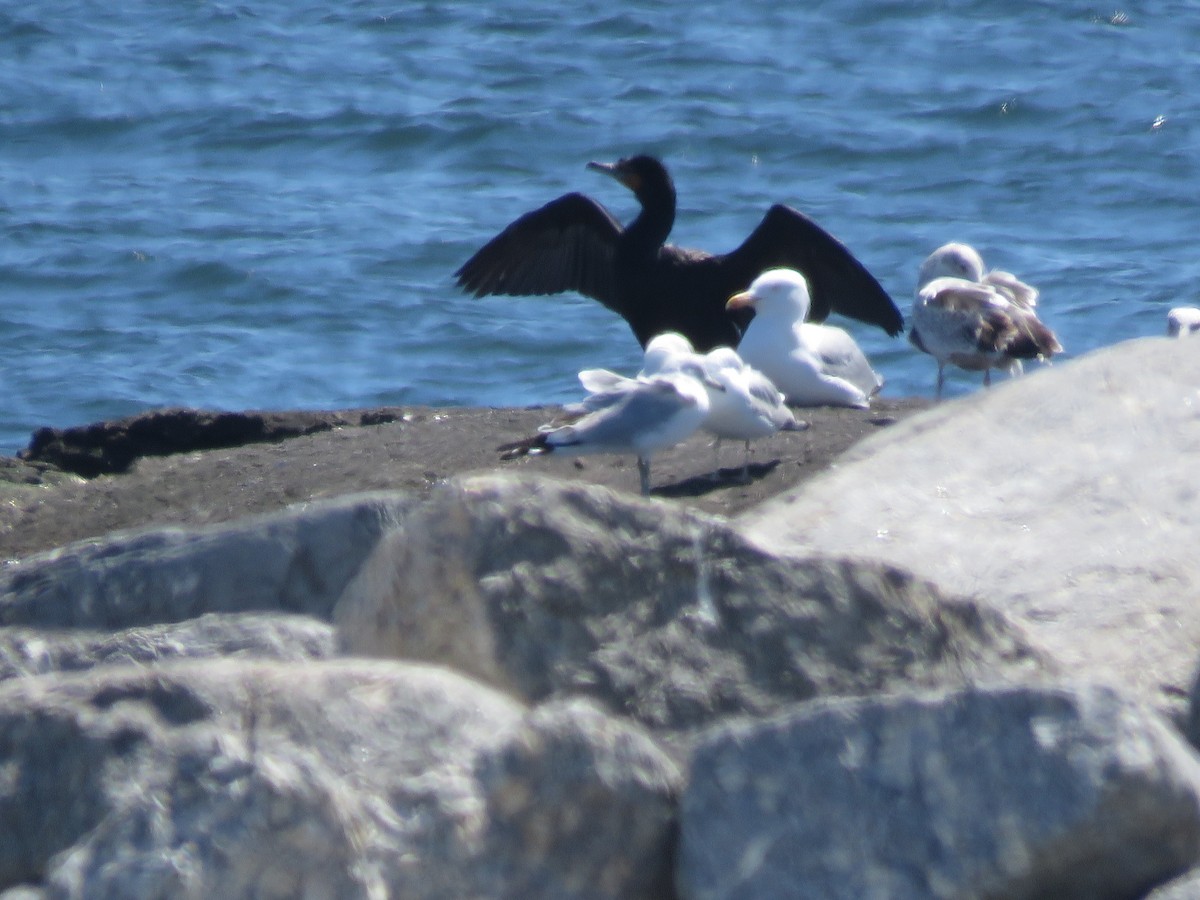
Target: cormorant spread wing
{"x": 837, "y": 281}
{"x": 566, "y": 245}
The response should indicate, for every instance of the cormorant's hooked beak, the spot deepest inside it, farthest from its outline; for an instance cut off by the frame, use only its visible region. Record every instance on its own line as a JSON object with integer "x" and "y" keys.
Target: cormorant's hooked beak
{"x": 617, "y": 171}
{"x": 741, "y": 300}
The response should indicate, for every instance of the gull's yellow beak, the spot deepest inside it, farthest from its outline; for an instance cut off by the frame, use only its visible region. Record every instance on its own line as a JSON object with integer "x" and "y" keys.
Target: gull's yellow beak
{"x": 741, "y": 300}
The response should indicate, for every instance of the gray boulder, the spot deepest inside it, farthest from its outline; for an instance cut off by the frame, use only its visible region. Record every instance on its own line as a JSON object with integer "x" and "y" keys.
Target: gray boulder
{"x": 1185, "y": 887}
{"x": 23, "y": 892}
{"x": 30, "y": 651}
{"x": 295, "y": 561}
{"x": 1008, "y": 792}
{"x": 549, "y": 589}
{"x": 1191, "y": 724}
{"x": 322, "y": 780}
{"x": 1068, "y": 498}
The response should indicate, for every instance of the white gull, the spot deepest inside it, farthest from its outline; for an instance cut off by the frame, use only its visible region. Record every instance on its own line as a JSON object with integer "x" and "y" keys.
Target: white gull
{"x": 749, "y": 407}
{"x": 813, "y": 365}
{"x": 665, "y": 353}
{"x": 744, "y": 404}
{"x": 654, "y": 414}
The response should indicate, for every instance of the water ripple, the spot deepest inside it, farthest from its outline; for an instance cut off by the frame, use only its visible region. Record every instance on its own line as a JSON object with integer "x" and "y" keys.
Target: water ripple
{"x": 246, "y": 205}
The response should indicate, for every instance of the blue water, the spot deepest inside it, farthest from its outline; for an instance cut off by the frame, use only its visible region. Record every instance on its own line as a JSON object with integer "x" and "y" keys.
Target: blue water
{"x": 261, "y": 205}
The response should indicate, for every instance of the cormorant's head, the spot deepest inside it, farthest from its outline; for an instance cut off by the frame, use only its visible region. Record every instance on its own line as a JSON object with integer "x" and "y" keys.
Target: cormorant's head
{"x": 644, "y": 175}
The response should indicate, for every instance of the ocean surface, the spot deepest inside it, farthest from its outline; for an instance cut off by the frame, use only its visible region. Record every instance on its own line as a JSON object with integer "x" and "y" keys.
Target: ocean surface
{"x": 261, "y": 205}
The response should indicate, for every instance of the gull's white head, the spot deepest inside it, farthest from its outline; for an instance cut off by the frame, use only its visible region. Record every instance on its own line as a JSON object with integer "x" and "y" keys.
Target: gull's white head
{"x": 783, "y": 290}
{"x": 724, "y": 358}
{"x": 665, "y": 351}
{"x": 953, "y": 260}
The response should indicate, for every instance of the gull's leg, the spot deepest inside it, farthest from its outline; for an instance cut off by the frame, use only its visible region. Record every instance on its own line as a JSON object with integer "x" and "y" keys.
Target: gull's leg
{"x": 644, "y": 474}
{"x": 941, "y": 378}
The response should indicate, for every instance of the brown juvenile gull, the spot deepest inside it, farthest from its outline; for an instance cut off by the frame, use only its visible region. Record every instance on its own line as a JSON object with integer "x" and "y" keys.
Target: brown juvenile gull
{"x": 976, "y": 320}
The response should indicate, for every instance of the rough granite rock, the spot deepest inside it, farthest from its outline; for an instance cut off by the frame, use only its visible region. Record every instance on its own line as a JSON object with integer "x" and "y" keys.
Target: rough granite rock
{"x": 1191, "y": 724}
{"x": 1185, "y": 887}
{"x": 322, "y": 780}
{"x": 295, "y": 561}
{"x": 1065, "y": 498}
{"x": 1068, "y": 498}
{"x": 670, "y": 617}
{"x": 31, "y": 475}
{"x": 37, "y": 651}
{"x": 1013, "y": 792}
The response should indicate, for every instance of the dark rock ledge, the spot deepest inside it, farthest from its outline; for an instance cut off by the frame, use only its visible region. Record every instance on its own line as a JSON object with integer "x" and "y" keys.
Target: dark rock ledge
{"x": 201, "y": 481}
{"x": 108, "y": 448}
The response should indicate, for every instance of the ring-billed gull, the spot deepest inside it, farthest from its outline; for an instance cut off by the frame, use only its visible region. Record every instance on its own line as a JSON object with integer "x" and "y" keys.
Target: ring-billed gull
{"x": 813, "y": 365}
{"x": 666, "y": 354}
{"x": 653, "y": 414}
{"x": 743, "y": 403}
{"x": 976, "y": 320}
{"x": 749, "y": 407}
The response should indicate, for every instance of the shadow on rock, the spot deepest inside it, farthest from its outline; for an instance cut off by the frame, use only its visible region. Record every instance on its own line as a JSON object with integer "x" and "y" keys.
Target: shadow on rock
{"x": 699, "y": 485}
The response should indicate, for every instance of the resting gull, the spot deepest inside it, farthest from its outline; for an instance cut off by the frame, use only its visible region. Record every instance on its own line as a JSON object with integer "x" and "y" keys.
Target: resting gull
{"x": 654, "y": 414}
{"x": 1182, "y": 321}
{"x": 976, "y": 320}
{"x": 813, "y": 365}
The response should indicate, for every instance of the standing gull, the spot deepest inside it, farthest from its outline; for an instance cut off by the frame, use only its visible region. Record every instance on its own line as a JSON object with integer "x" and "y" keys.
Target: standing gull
{"x": 575, "y": 244}
{"x": 749, "y": 407}
{"x": 976, "y": 320}
{"x": 658, "y": 413}
{"x": 743, "y": 403}
{"x": 813, "y": 365}
{"x": 665, "y": 353}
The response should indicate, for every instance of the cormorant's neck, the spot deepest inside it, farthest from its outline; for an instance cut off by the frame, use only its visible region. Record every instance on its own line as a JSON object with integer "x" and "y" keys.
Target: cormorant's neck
{"x": 653, "y": 224}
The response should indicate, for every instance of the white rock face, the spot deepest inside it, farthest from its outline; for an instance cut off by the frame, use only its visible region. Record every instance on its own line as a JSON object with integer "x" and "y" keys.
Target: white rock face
{"x": 344, "y": 779}
{"x": 36, "y": 651}
{"x": 1070, "y": 498}
{"x": 1021, "y": 793}
{"x": 297, "y": 560}
{"x": 547, "y": 589}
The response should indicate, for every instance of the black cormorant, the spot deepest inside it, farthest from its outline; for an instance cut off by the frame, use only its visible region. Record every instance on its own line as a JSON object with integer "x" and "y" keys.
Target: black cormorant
{"x": 575, "y": 244}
